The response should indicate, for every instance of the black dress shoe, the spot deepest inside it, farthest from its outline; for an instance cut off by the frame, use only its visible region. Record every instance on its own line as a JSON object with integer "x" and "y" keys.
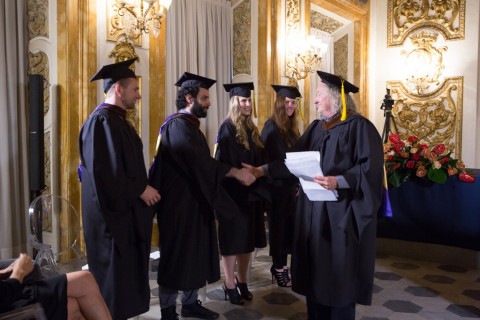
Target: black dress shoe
{"x": 169, "y": 313}
{"x": 196, "y": 310}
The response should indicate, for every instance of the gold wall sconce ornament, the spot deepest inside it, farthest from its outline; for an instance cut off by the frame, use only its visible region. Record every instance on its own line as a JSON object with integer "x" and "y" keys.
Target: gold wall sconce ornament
{"x": 141, "y": 16}
{"x": 305, "y": 57}
{"x": 423, "y": 64}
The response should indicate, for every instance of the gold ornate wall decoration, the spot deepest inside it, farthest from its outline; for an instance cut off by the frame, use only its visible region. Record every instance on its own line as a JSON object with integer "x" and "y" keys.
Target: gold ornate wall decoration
{"x": 38, "y": 64}
{"x": 405, "y": 16}
{"x": 115, "y": 27}
{"x": 340, "y": 56}
{"x": 424, "y": 64}
{"x": 242, "y": 17}
{"x": 37, "y": 12}
{"x": 322, "y": 22}
{"x": 434, "y": 118}
{"x": 292, "y": 17}
{"x": 122, "y": 51}
{"x": 47, "y": 156}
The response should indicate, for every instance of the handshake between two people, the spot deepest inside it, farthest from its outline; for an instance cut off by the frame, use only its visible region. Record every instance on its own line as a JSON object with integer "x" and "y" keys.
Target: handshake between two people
{"x": 247, "y": 175}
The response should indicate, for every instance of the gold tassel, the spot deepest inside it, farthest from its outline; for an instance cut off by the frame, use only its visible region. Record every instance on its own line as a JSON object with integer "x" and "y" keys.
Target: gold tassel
{"x": 254, "y": 105}
{"x": 159, "y": 140}
{"x": 344, "y": 103}
{"x": 300, "y": 109}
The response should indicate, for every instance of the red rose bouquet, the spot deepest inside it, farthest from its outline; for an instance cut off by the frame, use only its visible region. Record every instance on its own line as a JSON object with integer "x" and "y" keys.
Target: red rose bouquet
{"x": 412, "y": 158}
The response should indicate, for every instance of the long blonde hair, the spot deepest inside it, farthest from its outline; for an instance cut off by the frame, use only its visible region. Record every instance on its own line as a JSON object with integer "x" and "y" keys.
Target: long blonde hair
{"x": 241, "y": 124}
{"x": 288, "y": 126}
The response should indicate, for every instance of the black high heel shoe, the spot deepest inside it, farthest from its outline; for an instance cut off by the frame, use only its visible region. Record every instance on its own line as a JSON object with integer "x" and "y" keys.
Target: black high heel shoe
{"x": 233, "y": 295}
{"x": 244, "y": 292}
{"x": 282, "y": 277}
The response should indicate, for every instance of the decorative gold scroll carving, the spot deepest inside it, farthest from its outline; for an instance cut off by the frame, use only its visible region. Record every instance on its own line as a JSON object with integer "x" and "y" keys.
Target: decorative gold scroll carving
{"x": 115, "y": 27}
{"x": 47, "y": 162}
{"x": 38, "y": 64}
{"x": 292, "y": 16}
{"x": 434, "y": 118}
{"x": 424, "y": 63}
{"x": 405, "y": 16}
{"x": 37, "y": 12}
{"x": 122, "y": 51}
{"x": 341, "y": 57}
{"x": 242, "y": 17}
{"x": 322, "y": 22}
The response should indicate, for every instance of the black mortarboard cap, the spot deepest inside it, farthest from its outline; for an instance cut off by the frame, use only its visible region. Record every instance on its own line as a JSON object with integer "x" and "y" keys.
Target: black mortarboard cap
{"x": 111, "y": 73}
{"x": 336, "y": 82}
{"x": 241, "y": 89}
{"x": 189, "y": 79}
{"x": 287, "y": 91}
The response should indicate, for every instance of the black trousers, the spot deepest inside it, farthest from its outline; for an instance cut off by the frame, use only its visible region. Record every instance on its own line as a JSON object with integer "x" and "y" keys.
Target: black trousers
{"x": 318, "y": 311}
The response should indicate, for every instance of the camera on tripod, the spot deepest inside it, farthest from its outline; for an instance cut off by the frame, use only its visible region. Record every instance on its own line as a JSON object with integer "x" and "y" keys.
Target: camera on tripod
{"x": 388, "y": 102}
{"x": 387, "y": 107}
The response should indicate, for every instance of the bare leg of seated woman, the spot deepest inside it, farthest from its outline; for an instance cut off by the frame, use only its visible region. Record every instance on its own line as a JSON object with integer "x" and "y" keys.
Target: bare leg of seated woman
{"x": 84, "y": 299}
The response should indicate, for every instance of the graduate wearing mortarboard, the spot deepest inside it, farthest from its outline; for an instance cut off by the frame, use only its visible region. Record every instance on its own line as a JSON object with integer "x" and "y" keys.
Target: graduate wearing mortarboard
{"x": 333, "y": 256}
{"x": 280, "y": 132}
{"x": 238, "y": 141}
{"x": 117, "y": 220}
{"x": 189, "y": 180}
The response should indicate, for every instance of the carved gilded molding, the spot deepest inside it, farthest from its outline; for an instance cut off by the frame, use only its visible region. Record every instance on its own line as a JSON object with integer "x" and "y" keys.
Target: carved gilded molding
{"x": 115, "y": 26}
{"x": 38, "y": 64}
{"x": 47, "y": 160}
{"x": 242, "y": 17}
{"x": 405, "y": 16}
{"x": 322, "y": 22}
{"x": 292, "y": 17}
{"x": 340, "y": 50}
{"x": 37, "y": 13}
{"x": 434, "y": 118}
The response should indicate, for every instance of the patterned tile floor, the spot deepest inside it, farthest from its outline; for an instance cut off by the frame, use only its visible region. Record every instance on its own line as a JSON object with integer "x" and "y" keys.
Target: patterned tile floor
{"x": 404, "y": 289}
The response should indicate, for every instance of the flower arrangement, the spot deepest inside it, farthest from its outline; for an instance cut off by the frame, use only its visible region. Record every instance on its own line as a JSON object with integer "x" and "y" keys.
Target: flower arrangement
{"x": 412, "y": 158}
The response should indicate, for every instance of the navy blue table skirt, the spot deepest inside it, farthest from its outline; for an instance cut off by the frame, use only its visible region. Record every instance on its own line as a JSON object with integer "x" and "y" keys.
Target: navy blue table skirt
{"x": 447, "y": 214}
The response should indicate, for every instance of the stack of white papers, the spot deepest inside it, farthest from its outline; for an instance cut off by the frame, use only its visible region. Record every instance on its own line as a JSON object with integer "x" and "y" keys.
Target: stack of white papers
{"x": 306, "y": 165}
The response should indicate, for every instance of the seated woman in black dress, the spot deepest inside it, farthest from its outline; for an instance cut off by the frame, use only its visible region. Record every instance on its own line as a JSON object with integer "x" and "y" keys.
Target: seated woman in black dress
{"x": 73, "y": 295}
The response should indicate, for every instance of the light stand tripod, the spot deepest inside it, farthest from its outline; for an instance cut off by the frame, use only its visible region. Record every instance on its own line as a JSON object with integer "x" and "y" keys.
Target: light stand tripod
{"x": 387, "y": 107}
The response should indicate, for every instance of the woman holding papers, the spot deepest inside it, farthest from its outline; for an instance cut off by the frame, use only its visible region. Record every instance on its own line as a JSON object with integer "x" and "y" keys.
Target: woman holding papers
{"x": 279, "y": 134}
{"x": 238, "y": 142}
{"x": 333, "y": 255}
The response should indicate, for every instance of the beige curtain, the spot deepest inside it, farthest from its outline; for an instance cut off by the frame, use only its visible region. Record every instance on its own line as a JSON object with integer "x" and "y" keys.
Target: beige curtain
{"x": 199, "y": 41}
{"x": 14, "y": 188}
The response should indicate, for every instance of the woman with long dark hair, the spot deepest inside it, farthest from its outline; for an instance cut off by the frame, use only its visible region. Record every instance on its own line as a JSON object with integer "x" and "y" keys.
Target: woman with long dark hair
{"x": 279, "y": 134}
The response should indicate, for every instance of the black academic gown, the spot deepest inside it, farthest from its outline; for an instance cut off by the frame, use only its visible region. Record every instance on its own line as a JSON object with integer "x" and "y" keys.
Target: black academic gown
{"x": 189, "y": 180}
{"x": 283, "y": 192}
{"x": 333, "y": 256}
{"x": 116, "y": 222}
{"x": 237, "y": 235}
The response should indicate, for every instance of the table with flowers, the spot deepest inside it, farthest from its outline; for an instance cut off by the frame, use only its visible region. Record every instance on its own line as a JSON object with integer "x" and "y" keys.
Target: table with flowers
{"x": 433, "y": 198}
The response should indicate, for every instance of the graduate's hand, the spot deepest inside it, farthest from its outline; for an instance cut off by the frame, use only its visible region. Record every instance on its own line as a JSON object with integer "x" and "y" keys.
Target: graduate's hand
{"x": 21, "y": 267}
{"x": 328, "y": 182}
{"x": 256, "y": 171}
{"x": 150, "y": 196}
{"x": 242, "y": 175}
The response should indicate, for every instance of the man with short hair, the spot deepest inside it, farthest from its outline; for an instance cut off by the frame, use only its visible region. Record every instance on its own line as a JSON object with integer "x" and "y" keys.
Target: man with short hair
{"x": 189, "y": 180}
{"x": 117, "y": 220}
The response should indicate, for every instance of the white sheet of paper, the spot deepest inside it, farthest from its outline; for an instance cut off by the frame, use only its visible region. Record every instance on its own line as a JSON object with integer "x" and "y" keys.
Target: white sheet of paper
{"x": 306, "y": 165}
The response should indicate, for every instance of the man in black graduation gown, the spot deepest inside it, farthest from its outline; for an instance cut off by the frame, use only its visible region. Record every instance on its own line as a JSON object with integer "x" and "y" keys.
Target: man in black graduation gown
{"x": 333, "y": 257}
{"x": 189, "y": 180}
{"x": 117, "y": 220}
